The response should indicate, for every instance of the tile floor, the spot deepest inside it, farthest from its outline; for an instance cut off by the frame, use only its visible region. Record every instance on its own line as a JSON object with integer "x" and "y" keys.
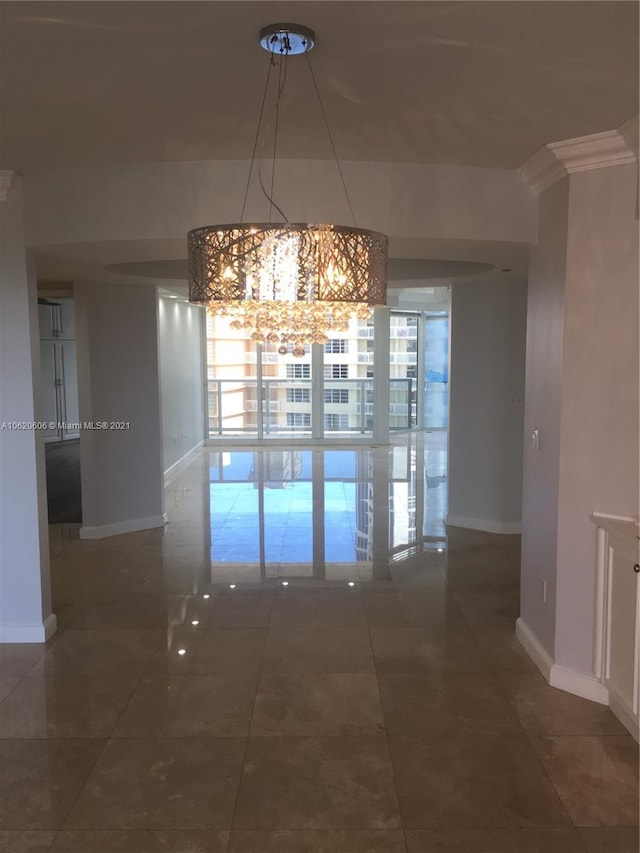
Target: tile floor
{"x": 172, "y": 712}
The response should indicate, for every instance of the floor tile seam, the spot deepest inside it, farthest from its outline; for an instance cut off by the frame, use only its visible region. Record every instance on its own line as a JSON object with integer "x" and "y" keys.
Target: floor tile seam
{"x": 64, "y": 737}
{"x": 119, "y": 738}
{"x": 130, "y": 697}
{"x": 376, "y": 735}
{"x": 82, "y": 786}
{"x": 598, "y": 736}
{"x": 67, "y": 815}
{"x": 42, "y": 657}
{"x": 511, "y": 828}
{"x": 387, "y": 738}
{"x": 56, "y": 832}
{"x": 316, "y": 828}
{"x": 251, "y": 716}
{"x": 503, "y": 692}
{"x": 19, "y": 681}
{"x": 4, "y": 738}
{"x": 400, "y": 828}
{"x": 281, "y": 737}
{"x": 546, "y": 773}
{"x": 430, "y": 669}
{"x": 501, "y": 827}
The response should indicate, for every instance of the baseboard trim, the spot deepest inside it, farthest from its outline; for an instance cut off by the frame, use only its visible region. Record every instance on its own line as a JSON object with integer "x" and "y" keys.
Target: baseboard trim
{"x": 534, "y": 648}
{"x": 621, "y": 709}
{"x": 118, "y": 527}
{"x": 29, "y": 633}
{"x": 579, "y": 684}
{"x": 486, "y": 524}
{"x": 173, "y": 470}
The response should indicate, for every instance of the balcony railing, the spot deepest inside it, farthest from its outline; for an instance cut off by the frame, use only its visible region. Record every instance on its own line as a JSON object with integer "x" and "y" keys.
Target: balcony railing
{"x": 237, "y": 406}
{"x": 403, "y": 358}
{"x": 410, "y": 332}
{"x": 274, "y": 405}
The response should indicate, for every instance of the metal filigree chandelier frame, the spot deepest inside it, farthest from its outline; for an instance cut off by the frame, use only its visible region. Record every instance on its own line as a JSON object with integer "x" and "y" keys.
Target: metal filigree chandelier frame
{"x": 290, "y": 283}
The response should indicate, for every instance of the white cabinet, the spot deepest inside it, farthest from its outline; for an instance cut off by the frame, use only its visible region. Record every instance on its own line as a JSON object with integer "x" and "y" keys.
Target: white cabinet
{"x": 617, "y": 652}
{"x": 57, "y": 319}
{"x": 58, "y": 379}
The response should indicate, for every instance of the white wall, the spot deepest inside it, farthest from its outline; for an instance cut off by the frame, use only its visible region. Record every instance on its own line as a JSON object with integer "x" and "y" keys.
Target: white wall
{"x": 180, "y": 341}
{"x": 488, "y": 323}
{"x": 118, "y": 381}
{"x": 545, "y": 329}
{"x": 599, "y": 421}
{"x": 582, "y": 391}
{"x": 25, "y": 595}
{"x": 162, "y": 201}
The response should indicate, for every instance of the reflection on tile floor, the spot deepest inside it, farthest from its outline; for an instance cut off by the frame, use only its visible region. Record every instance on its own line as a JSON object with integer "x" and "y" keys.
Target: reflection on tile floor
{"x": 304, "y": 661}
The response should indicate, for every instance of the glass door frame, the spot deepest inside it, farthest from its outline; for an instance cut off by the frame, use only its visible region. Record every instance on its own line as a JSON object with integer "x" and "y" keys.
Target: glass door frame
{"x": 215, "y": 434}
{"x": 420, "y": 368}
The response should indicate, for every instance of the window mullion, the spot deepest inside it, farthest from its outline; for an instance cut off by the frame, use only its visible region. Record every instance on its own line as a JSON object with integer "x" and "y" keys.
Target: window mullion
{"x": 317, "y": 391}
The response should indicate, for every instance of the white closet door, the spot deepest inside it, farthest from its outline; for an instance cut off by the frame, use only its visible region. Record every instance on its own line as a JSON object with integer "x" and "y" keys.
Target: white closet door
{"x": 66, "y": 320}
{"x": 45, "y": 318}
{"x": 48, "y": 390}
{"x": 69, "y": 387}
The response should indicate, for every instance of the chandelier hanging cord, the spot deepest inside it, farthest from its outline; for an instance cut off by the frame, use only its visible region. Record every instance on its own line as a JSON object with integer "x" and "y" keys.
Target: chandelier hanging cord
{"x": 329, "y": 134}
{"x": 257, "y": 137}
{"x": 282, "y": 79}
{"x": 275, "y": 134}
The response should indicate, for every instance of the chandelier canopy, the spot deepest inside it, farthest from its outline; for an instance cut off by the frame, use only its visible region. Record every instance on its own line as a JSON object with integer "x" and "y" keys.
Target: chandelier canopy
{"x": 290, "y": 283}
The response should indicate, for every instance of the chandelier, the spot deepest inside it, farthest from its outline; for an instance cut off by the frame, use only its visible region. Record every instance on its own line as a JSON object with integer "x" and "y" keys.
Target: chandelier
{"x": 291, "y": 284}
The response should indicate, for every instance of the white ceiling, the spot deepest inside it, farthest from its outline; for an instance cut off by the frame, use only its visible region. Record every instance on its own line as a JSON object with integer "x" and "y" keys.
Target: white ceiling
{"x": 476, "y": 83}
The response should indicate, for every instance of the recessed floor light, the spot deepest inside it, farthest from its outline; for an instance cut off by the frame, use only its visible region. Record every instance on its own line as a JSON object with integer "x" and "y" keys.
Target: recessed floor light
{"x": 206, "y": 596}
{"x": 232, "y": 586}
{"x": 285, "y": 583}
{"x": 440, "y": 550}
{"x": 182, "y": 652}
{"x": 351, "y": 583}
{"x": 195, "y": 622}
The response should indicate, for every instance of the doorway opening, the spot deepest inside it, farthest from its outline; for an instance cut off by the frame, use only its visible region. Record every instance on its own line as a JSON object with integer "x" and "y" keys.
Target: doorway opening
{"x": 59, "y": 407}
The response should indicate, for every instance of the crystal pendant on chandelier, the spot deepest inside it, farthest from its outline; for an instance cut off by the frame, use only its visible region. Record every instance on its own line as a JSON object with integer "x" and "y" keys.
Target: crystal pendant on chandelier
{"x": 291, "y": 284}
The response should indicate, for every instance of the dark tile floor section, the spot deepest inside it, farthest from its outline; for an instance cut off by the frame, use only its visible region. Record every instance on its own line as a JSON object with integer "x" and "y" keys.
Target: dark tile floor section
{"x": 394, "y": 718}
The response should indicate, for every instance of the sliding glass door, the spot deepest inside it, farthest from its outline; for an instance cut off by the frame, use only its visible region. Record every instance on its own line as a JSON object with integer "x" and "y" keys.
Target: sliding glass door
{"x": 255, "y": 392}
{"x": 404, "y": 332}
{"x": 419, "y": 370}
{"x": 330, "y": 392}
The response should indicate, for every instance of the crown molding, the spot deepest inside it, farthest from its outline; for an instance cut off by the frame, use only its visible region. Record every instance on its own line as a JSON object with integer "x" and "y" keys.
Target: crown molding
{"x": 629, "y": 131}
{"x": 542, "y": 170}
{"x": 596, "y": 151}
{"x": 6, "y": 176}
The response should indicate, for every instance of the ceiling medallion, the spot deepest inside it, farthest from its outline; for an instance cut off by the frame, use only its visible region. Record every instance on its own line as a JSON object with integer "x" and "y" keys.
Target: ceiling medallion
{"x": 291, "y": 284}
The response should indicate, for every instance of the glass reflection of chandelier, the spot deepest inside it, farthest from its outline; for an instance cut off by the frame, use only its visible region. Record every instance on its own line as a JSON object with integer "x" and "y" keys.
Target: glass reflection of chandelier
{"x": 290, "y": 283}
